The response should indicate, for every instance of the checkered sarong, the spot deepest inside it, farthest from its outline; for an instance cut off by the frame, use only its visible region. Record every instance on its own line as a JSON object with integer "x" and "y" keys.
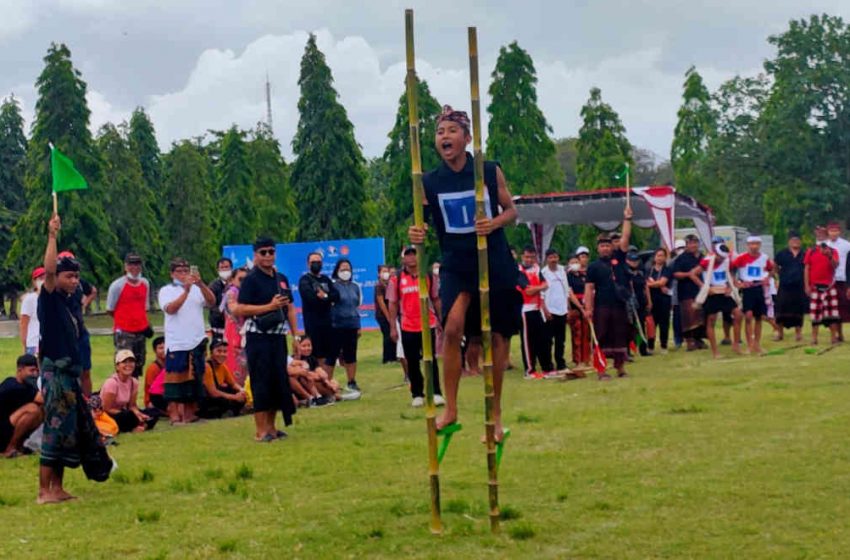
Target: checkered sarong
{"x": 823, "y": 305}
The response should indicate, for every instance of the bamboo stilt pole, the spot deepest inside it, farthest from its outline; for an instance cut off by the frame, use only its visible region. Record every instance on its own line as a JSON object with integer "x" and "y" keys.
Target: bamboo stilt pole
{"x": 424, "y": 295}
{"x": 484, "y": 286}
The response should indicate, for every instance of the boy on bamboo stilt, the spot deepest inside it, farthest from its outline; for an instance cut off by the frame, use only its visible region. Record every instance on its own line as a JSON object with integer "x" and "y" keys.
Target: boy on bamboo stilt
{"x": 450, "y": 205}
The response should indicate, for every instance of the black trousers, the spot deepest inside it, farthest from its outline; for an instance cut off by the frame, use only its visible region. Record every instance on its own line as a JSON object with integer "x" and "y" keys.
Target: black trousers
{"x": 661, "y": 315}
{"x": 412, "y": 344}
{"x": 389, "y": 351}
{"x": 216, "y": 407}
{"x": 556, "y": 331}
{"x": 534, "y": 342}
{"x": 266, "y": 354}
{"x": 127, "y": 421}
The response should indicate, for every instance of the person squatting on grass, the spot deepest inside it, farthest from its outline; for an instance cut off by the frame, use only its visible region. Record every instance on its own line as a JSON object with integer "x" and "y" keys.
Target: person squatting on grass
{"x": 265, "y": 299}
{"x": 450, "y": 205}
{"x": 21, "y": 410}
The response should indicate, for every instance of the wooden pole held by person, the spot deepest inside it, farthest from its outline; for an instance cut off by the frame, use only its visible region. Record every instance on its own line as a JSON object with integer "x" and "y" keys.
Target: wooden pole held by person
{"x": 484, "y": 286}
{"x": 424, "y": 290}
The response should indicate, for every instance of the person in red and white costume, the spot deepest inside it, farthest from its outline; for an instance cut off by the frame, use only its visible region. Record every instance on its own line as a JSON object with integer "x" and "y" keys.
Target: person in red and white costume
{"x": 819, "y": 278}
{"x": 717, "y": 276}
{"x": 403, "y": 298}
{"x": 534, "y": 339}
{"x": 754, "y": 269}
{"x": 842, "y": 246}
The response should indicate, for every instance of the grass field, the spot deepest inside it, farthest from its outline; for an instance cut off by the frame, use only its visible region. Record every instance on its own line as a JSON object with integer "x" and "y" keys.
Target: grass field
{"x": 688, "y": 458}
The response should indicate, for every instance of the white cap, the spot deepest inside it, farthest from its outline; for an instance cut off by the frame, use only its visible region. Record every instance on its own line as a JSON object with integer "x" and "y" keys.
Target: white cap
{"x": 679, "y": 244}
{"x": 754, "y": 239}
{"x": 582, "y": 250}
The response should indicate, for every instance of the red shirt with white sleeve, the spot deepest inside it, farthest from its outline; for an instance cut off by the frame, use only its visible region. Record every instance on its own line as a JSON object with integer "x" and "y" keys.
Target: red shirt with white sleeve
{"x": 753, "y": 269}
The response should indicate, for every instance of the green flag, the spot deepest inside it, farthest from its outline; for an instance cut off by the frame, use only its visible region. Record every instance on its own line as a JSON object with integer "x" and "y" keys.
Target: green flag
{"x": 65, "y": 175}
{"x": 621, "y": 176}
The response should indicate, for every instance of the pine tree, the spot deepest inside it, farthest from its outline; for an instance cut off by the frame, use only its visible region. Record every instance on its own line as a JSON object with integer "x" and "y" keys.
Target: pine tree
{"x": 327, "y": 178}
{"x": 603, "y": 149}
{"x": 277, "y": 214}
{"x": 695, "y": 128}
{"x": 130, "y": 202}
{"x": 13, "y": 153}
{"x": 236, "y": 192}
{"x": 397, "y": 214}
{"x": 62, "y": 117}
{"x": 188, "y": 227}
{"x": 146, "y": 150}
{"x": 518, "y": 134}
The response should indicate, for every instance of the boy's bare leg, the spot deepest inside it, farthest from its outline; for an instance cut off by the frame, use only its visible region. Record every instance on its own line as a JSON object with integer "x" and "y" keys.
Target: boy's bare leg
{"x": 453, "y": 335}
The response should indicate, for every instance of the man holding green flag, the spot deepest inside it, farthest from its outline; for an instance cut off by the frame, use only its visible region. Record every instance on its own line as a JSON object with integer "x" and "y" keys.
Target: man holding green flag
{"x": 65, "y": 175}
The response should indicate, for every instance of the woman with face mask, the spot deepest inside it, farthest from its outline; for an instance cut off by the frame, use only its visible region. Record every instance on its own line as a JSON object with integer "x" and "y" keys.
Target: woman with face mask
{"x": 345, "y": 321}
{"x": 382, "y": 314}
{"x": 29, "y": 326}
{"x": 236, "y": 361}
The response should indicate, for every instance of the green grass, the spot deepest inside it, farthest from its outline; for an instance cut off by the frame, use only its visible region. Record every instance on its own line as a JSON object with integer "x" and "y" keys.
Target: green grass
{"x": 741, "y": 458}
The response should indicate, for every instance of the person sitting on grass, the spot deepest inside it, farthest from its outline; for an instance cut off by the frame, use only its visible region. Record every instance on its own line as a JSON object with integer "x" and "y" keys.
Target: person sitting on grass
{"x": 119, "y": 394}
{"x": 304, "y": 391}
{"x": 155, "y": 378}
{"x": 224, "y": 397}
{"x": 20, "y": 407}
{"x": 327, "y": 387}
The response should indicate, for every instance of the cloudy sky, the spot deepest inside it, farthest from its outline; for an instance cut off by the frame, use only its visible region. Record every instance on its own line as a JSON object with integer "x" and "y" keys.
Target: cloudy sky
{"x": 201, "y": 64}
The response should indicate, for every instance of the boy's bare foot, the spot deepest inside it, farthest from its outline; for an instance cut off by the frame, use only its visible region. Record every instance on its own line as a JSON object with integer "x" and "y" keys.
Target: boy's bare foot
{"x": 448, "y": 417}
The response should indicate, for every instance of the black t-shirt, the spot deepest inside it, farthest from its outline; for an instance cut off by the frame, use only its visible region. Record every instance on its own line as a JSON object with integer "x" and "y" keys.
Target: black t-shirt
{"x": 451, "y": 205}
{"x": 316, "y": 311}
{"x": 14, "y": 395}
{"x": 577, "y": 280}
{"x": 686, "y": 262}
{"x": 790, "y": 268}
{"x": 60, "y": 327}
{"x": 216, "y": 316}
{"x": 601, "y": 273}
{"x": 654, "y": 274}
{"x": 638, "y": 281}
{"x": 258, "y": 288}
{"x": 84, "y": 289}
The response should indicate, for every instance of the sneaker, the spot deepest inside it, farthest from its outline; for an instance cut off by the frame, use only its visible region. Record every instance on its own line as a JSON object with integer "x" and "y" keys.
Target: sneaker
{"x": 533, "y": 375}
{"x": 553, "y": 375}
{"x": 352, "y": 385}
{"x": 725, "y": 342}
{"x": 350, "y": 395}
{"x": 321, "y": 401}
{"x": 417, "y": 402}
{"x": 439, "y": 400}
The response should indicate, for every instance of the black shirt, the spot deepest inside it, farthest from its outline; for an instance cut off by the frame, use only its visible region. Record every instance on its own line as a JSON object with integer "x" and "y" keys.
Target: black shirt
{"x": 451, "y": 207}
{"x": 638, "y": 281}
{"x": 654, "y": 274}
{"x": 60, "y": 325}
{"x": 602, "y": 273}
{"x": 577, "y": 280}
{"x": 216, "y": 315}
{"x": 14, "y": 395}
{"x": 84, "y": 289}
{"x": 316, "y": 311}
{"x": 259, "y": 288}
{"x": 790, "y": 268}
{"x": 686, "y": 262}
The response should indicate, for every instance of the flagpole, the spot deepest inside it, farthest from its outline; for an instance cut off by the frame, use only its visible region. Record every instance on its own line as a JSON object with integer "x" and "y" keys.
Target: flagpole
{"x": 424, "y": 289}
{"x": 628, "y": 188}
{"x": 55, "y": 198}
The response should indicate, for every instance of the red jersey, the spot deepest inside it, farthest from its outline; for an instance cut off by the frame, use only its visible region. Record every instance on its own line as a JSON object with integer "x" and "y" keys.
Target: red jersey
{"x": 753, "y": 268}
{"x": 130, "y": 310}
{"x": 535, "y": 279}
{"x": 821, "y": 269}
{"x": 404, "y": 290}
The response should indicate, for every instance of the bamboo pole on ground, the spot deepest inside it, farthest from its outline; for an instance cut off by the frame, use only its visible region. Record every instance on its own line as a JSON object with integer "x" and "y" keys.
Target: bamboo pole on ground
{"x": 424, "y": 293}
{"x": 484, "y": 286}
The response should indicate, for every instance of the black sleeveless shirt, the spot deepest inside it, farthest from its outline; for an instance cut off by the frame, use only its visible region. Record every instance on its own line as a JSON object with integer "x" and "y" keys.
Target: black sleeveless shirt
{"x": 451, "y": 199}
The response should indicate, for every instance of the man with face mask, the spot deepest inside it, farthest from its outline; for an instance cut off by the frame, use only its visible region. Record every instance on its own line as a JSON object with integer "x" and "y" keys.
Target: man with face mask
{"x": 382, "y": 314}
{"x": 224, "y": 267}
{"x": 318, "y": 294}
{"x": 128, "y": 301}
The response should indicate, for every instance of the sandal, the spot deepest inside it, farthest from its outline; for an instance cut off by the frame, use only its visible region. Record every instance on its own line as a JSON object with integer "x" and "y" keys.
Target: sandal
{"x": 280, "y": 434}
{"x": 268, "y": 438}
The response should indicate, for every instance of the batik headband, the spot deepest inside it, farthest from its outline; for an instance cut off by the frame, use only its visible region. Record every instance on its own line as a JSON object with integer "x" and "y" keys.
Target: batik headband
{"x": 459, "y": 117}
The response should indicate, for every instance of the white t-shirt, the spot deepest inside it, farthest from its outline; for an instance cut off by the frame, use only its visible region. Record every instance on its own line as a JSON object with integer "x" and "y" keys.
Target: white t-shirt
{"x": 557, "y": 294}
{"x": 843, "y": 247}
{"x": 29, "y": 307}
{"x": 185, "y": 329}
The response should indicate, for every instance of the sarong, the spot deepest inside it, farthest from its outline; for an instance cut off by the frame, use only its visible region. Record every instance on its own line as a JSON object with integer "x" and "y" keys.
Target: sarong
{"x": 843, "y": 302}
{"x": 580, "y": 336}
{"x": 184, "y": 374}
{"x": 692, "y": 317}
{"x": 64, "y": 407}
{"x": 791, "y": 305}
{"x": 613, "y": 331}
{"x": 823, "y": 305}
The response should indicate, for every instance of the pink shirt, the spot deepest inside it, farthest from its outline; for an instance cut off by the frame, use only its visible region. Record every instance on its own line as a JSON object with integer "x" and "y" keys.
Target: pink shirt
{"x": 158, "y": 385}
{"x": 123, "y": 390}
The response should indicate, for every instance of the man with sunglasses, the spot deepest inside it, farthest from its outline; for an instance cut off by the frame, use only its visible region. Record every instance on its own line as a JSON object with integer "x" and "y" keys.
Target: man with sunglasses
{"x": 265, "y": 301}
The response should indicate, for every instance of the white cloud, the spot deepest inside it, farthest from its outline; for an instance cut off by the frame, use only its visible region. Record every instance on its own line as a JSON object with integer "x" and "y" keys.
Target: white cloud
{"x": 17, "y": 17}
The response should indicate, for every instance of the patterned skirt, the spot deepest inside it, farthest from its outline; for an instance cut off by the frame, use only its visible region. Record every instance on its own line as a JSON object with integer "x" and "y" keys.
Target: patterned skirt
{"x": 67, "y": 422}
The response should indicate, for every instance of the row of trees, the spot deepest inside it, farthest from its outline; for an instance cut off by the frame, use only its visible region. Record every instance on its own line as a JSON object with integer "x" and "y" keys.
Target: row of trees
{"x": 766, "y": 152}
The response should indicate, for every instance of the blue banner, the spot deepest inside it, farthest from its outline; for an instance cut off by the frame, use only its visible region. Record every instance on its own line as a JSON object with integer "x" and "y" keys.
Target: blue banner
{"x": 291, "y": 259}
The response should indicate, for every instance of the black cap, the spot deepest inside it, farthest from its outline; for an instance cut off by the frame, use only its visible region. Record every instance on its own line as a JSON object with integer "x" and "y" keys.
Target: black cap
{"x": 632, "y": 256}
{"x": 178, "y": 262}
{"x": 263, "y": 242}
{"x": 67, "y": 264}
{"x": 27, "y": 360}
{"x": 793, "y": 234}
{"x": 408, "y": 249}
{"x": 132, "y": 258}
{"x": 691, "y": 237}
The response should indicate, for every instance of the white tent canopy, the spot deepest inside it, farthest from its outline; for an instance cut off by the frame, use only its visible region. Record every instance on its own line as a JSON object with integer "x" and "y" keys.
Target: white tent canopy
{"x": 656, "y": 206}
